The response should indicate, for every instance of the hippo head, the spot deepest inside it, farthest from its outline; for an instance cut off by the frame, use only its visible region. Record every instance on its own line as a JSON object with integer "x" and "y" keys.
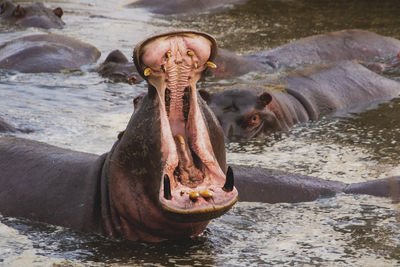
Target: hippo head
{"x": 244, "y": 114}
{"x": 167, "y": 172}
{"x": 34, "y": 15}
{"x": 117, "y": 68}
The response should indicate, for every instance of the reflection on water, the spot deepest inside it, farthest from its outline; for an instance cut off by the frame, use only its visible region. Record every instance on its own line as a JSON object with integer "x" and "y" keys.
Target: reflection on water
{"x": 82, "y": 111}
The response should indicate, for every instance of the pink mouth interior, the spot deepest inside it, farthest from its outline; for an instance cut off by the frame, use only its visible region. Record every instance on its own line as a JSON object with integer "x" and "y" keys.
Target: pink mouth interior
{"x": 174, "y": 63}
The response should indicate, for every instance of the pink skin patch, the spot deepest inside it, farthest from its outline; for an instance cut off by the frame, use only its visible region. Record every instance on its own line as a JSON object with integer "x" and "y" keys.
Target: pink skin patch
{"x": 173, "y": 64}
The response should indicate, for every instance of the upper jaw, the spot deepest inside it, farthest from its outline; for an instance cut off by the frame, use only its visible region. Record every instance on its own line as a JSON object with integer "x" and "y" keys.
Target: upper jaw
{"x": 192, "y": 187}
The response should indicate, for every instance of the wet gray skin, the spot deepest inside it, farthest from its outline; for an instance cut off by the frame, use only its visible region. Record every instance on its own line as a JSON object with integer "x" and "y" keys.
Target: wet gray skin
{"x": 32, "y": 15}
{"x": 46, "y": 53}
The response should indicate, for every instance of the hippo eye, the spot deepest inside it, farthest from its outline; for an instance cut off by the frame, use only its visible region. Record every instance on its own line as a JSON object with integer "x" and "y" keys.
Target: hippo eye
{"x": 254, "y": 120}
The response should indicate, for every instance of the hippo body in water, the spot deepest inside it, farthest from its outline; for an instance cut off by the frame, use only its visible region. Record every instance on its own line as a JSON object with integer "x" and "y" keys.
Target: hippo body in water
{"x": 46, "y": 53}
{"x": 33, "y": 15}
{"x": 163, "y": 179}
{"x": 271, "y": 186}
{"x": 317, "y": 49}
{"x": 302, "y": 95}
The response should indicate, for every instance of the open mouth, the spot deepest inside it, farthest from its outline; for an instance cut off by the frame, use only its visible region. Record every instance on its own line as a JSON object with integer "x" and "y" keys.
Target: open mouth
{"x": 193, "y": 185}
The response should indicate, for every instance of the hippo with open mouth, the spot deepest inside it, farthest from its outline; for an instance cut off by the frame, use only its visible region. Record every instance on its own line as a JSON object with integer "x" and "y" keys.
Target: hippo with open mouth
{"x": 163, "y": 179}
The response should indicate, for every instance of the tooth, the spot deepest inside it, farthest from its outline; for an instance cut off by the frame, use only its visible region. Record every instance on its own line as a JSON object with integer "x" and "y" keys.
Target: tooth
{"x": 180, "y": 138}
{"x": 164, "y": 69}
{"x": 167, "y": 187}
{"x": 190, "y": 53}
{"x": 205, "y": 193}
{"x": 211, "y": 65}
{"x": 168, "y": 54}
{"x": 193, "y": 195}
{"x": 147, "y": 72}
{"x": 228, "y": 186}
{"x": 196, "y": 65}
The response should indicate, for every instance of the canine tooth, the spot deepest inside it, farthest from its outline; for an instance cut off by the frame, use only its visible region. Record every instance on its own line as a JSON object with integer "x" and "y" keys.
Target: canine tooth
{"x": 168, "y": 54}
{"x": 147, "y": 71}
{"x": 205, "y": 193}
{"x": 190, "y": 53}
{"x": 211, "y": 65}
{"x": 167, "y": 187}
{"x": 228, "y": 186}
{"x": 196, "y": 65}
{"x": 193, "y": 195}
{"x": 164, "y": 69}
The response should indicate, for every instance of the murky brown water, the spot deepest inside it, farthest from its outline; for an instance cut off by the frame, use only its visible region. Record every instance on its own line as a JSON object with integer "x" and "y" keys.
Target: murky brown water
{"x": 82, "y": 111}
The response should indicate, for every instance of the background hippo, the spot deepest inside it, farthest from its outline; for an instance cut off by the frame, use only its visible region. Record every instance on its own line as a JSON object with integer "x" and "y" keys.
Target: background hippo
{"x": 46, "y": 53}
{"x": 300, "y": 96}
{"x": 33, "y": 15}
{"x": 116, "y": 67}
{"x": 323, "y": 48}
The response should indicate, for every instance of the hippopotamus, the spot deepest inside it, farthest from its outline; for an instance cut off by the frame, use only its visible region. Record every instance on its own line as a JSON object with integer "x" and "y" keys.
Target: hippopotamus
{"x": 299, "y": 96}
{"x": 116, "y": 67}
{"x": 164, "y": 178}
{"x": 182, "y": 6}
{"x": 365, "y": 46}
{"x": 46, "y": 53}
{"x": 33, "y": 15}
{"x": 335, "y": 46}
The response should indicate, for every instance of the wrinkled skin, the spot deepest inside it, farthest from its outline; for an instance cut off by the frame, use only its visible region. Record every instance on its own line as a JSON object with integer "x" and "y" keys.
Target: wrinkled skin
{"x": 172, "y": 7}
{"x": 367, "y": 47}
{"x": 33, "y": 15}
{"x": 305, "y": 95}
{"x": 163, "y": 179}
{"x": 46, "y": 53}
{"x": 117, "y": 68}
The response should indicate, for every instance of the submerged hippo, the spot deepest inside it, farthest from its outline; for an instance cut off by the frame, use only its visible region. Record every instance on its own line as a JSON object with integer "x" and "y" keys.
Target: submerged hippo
{"x": 182, "y": 6}
{"x": 272, "y": 186}
{"x": 163, "y": 179}
{"x": 46, "y": 53}
{"x": 305, "y": 95}
{"x": 329, "y": 47}
{"x": 33, "y": 15}
{"x": 323, "y": 48}
{"x": 116, "y": 67}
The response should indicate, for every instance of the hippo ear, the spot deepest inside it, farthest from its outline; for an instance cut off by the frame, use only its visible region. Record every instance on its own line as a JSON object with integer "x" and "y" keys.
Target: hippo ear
{"x": 265, "y": 98}
{"x": 205, "y": 95}
{"x": 19, "y": 12}
{"x": 58, "y": 12}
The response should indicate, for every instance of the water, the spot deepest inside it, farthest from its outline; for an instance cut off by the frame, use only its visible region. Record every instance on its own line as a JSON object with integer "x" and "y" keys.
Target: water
{"x": 82, "y": 111}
